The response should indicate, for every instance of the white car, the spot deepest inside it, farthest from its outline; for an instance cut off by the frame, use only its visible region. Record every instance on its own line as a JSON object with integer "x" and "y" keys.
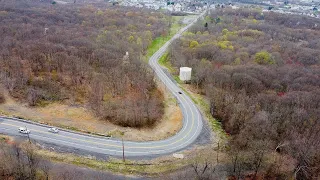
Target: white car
{"x": 53, "y": 130}
{"x": 24, "y": 130}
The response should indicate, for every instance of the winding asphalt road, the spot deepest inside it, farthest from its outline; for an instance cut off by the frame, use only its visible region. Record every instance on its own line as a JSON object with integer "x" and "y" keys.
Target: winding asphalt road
{"x": 192, "y": 124}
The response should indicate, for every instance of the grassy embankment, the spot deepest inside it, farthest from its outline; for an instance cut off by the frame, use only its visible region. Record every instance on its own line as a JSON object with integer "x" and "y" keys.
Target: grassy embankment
{"x": 197, "y": 98}
{"x": 162, "y": 165}
{"x": 200, "y": 100}
{"x": 160, "y": 41}
{"x": 164, "y": 61}
{"x": 136, "y": 167}
{"x": 114, "y": 165}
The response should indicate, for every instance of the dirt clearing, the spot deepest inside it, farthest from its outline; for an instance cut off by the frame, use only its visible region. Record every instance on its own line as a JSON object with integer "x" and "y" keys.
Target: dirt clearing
{"x": 80, "y": 118}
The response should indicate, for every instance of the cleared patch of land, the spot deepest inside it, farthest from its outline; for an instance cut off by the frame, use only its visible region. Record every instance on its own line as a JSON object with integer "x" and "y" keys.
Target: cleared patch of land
{"x": 82, "y": 119}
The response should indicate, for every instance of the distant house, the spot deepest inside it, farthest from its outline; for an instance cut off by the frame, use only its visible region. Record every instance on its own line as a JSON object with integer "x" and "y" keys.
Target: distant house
{"x": 178, "y": 7}
{"x": 170, "y": 8}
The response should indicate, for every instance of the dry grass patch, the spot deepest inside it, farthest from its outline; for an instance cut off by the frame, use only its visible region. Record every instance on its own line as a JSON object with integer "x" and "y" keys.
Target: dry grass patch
{"x": 169, "y": 125}
{"x": 154, "y": 167}
{"x": 81, "y": 118}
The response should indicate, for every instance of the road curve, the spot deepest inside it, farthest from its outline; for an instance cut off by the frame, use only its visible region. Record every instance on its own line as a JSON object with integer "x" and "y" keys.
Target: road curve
{"x": 192, "y": 124}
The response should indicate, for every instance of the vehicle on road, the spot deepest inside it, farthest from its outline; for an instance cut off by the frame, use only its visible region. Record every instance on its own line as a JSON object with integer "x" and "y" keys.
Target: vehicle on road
{"x": 23, "y": 130}
{"x": 180, "y": 92}
{"x": 53, "y": 130}
{"x": 192, "y": 126}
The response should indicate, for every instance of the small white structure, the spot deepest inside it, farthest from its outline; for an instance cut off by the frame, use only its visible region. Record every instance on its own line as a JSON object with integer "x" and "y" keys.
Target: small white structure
{"x": 46, "y": 30}
{"x": 185, "y": 73}
{"x": 126, "y": 57}
{"x": 178, "y": 7}
{"x": 178, "y": 156}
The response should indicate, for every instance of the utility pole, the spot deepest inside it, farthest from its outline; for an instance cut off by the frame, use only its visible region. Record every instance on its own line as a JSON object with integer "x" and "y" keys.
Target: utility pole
{"x": 123, "y": 151}
{"x": 218, "y": 151}
{"x": 28, "y": 135}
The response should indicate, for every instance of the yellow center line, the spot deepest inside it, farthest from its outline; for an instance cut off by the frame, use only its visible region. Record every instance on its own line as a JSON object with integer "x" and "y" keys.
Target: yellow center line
{"x": 67, "y": 137}
{"x": 120, "y": 146}
{"x": 112, "y": 145}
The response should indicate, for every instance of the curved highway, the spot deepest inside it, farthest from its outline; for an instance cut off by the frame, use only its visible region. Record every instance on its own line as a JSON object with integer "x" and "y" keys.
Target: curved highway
{"x": 192, "y": 124}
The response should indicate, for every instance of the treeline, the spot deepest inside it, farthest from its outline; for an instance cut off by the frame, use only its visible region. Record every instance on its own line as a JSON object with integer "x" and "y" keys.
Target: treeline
{"x": 18, "y": 163}
{"x": 261, "y": 73}
{"x": 20, "y": 160}
{"x": 77, "y": 54}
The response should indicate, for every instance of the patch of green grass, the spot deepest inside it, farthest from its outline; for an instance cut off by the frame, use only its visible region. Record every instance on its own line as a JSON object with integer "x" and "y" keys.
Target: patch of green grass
{"x": 177, "y": 79}
{"x": 205, "y": 107}
{"x": 73, "y": 128}
{"x": 215, "y": 124}
{"x": 176, "y": 26}
{"x": 115, "y": 165}
{"x": 155, "y": 45}
{"x": 4, "y": 113}
{"x": 116, "y": 133}
{"x": 197, "y": 99}
{"x": 160, "y": 41}
{"x": 165, "y": 61}
{"x": 189, "y": 94}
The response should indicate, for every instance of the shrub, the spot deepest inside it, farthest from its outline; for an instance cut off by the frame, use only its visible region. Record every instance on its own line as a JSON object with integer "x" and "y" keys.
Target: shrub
{"x": 225, "y": 31}
{"x": 193, "y": 44}
{"x": 2, "y": 99}
{"x": 263, "y": 57}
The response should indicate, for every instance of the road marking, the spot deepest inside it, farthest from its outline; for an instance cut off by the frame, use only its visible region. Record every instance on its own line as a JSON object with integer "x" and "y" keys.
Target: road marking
{"x": 119, "y": 146}
{"x": 111, "y": 145}
{"x": 44, "y": 132}
{"x": 92, "y": 147}
{"x": 170, "y": 83}
{"x": 171, "y": 86}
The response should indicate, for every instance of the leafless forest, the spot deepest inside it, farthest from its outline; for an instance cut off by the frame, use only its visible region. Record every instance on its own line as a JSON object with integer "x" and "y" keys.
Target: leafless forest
{"x": 20, "y": 161}
{"x": 75, "y": 54}
{"x": 261, "y": 73}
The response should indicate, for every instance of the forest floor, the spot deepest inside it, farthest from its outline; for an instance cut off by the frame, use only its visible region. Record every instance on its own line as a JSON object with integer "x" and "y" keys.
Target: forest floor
{"x": 79, "y": 118}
